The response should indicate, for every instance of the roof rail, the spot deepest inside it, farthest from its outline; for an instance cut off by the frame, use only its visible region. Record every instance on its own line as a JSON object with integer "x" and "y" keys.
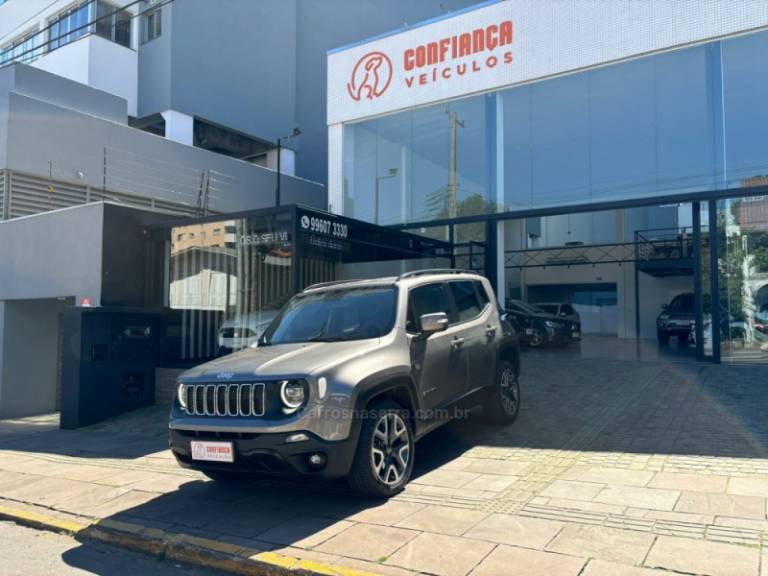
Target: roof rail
{"x": 434, "y": 271}
{"x": 331, "y": 283}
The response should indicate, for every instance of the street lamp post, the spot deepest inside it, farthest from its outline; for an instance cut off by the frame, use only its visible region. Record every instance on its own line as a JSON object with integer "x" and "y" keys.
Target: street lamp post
{"x": 296, "y": 132}
{"x": 391, "y": 174}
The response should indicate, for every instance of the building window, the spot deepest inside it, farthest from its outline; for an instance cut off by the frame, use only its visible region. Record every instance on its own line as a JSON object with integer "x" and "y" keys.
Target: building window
{"x": 22, "y": 50}
{"x": 69, "y": 26}
{"x": 217, "y": 231}
{"x": 113, "y": 24}
{"x": 153, "y": 25}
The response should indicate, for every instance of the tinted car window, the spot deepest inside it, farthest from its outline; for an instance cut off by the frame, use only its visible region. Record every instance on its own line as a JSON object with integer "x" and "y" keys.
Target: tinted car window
{"x": 334, "y": 315}
{"x": 481, "y": 294}
{"x": 568, "y": 309}
{"x": 426, "y": 299}
{"x": 551, "y": 308}
{"x": 465, "y": 297}
{"x": 682, "y": 302}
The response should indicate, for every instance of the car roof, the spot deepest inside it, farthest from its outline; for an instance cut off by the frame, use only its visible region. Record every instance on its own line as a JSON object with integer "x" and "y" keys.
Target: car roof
{"x": 407, "y": 279}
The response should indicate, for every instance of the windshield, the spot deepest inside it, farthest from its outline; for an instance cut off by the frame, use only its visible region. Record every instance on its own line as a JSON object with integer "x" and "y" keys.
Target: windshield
{"x": 549, "y": 308}
{"x": 334, "y": 316}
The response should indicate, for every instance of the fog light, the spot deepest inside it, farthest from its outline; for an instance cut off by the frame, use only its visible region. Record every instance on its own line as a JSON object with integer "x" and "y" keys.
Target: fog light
{"x": 317, "y": 460}
{"x": 296, "y": 438}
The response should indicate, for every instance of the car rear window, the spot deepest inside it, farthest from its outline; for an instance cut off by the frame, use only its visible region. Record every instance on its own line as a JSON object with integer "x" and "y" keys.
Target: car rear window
{"x": 465, "y": 298}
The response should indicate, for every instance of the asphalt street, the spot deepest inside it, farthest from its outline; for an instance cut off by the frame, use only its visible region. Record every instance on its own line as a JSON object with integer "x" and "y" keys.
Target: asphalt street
{"x": 28, "y": 552}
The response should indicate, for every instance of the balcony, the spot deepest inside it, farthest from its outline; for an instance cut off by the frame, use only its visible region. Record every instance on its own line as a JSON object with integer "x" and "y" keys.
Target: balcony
{"x": 98, "y": 63}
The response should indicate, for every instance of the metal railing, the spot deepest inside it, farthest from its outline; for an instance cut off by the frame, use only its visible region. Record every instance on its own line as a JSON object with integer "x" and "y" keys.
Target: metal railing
{"x": 664, "y": 243}
{"x": 649, "y": 245}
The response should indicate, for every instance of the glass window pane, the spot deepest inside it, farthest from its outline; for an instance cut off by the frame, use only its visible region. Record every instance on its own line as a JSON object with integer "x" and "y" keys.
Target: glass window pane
{"x": 465, "y": 298}
{"x": 428, "y": 300}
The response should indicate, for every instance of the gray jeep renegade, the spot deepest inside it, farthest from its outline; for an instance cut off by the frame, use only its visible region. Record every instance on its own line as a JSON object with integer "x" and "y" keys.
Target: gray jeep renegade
{"x": 347, "y": 377}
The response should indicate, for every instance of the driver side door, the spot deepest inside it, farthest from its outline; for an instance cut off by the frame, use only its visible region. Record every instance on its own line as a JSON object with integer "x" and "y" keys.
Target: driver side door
{"x": 438, "y": 363}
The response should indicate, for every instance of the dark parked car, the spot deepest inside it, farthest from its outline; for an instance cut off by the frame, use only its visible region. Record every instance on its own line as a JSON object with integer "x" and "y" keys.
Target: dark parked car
{"x": 537, "y": 327}
{"x": 564, "y": 311}
{"x": 676, "y": 318}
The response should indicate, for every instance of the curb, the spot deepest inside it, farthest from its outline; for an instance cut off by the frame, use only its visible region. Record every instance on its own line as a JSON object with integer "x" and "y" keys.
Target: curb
{"x": 193, "y": 550}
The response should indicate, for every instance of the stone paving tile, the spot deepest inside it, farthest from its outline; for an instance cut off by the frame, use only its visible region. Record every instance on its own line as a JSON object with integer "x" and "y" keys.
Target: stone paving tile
{"x": 743, "y": 523}
{"x": 248, "y": 523}
{"x": 440, "y": 554}
{"x": 586, "y": 506}
{"x": 652, "y": 498}
{"x": 512, "y": 561}
{"x": 572, "y": 490}
{"x": 603, "y": 568}
{"x": 442, "y": 520}
{"x": 679, "y": 517}
{"x": 722, "y": 505}
{"x": 489, "y": 466}
{"x": 618, "y": 476}
{"x": 748, "y": 487}
{"x": 703, "y": 557}
{"x": 122, "y": 477}
{"x": 304, "y": 531}
{"x": 165, "y": 483}
{"x": 91, "y": 497}
{"x": 516, "y": 530}
{"x": 613, "y": 544}
{"x": 446, "y": 478}
{"x": 689, "y": 482}
{"x": 491, "y": 483}
{"x": 122, "y": 503}
{"x": 368, "y": 542}
{"x": 386, "y": 513}
{"x": 48, "y": 491}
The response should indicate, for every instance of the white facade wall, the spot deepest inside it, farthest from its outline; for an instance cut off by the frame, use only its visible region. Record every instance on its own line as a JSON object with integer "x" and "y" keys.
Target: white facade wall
{"x": 90, "y": 60}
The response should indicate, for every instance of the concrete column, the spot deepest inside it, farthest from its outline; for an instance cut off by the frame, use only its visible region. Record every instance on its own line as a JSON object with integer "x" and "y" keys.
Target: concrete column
{"x": 287, "y": 161}
{"x": 179, "y": 127}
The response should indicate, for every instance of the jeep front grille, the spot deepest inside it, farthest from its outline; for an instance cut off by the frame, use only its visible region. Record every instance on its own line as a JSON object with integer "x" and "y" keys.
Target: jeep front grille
{"x": 224, "y": 399}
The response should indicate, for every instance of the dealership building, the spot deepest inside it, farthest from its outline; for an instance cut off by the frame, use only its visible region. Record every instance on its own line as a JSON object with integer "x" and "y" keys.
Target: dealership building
{"x": 604, "y": 154}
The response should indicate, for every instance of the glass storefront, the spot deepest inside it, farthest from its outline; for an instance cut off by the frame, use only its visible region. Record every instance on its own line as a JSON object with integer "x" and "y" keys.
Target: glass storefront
{"x": 228, "y": 278}
{"x": 742, "y": 264}
{"x": 679, "y": 122}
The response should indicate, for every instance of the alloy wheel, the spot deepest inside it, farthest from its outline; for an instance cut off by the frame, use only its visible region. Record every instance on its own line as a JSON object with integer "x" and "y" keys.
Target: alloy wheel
{"x": 510, "y": 391}
{"x": 390, "y": 449}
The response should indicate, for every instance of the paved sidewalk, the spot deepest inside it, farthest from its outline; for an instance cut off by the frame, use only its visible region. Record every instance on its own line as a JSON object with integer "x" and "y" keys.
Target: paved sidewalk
{"x": 613, "y": 468}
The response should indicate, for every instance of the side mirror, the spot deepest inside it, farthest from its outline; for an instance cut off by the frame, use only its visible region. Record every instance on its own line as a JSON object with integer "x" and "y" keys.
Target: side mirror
{"x": 432, "y": 323}
{"x": 563, "y": 314}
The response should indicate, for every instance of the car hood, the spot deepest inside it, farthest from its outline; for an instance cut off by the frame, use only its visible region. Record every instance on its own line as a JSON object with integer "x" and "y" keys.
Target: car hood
{"x": 280, "y": 360}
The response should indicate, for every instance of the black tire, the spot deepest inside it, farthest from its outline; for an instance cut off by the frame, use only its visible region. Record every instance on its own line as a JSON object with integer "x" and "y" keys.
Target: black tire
{"x": 683, "y": 338}
{"x": 663, "y": 337}
{"x": 502, "y": 404}
{"x": 225, "y": 476}
{"x": 365, "y": 476}
{"x": 537, "y": 338}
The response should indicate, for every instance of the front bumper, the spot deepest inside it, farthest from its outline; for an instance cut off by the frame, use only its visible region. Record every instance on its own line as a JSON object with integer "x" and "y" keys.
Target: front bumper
{"x": 268, "y": 453}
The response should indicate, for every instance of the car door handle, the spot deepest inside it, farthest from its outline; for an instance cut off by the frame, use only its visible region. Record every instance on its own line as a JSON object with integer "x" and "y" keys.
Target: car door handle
{"x": 456, "y": 342}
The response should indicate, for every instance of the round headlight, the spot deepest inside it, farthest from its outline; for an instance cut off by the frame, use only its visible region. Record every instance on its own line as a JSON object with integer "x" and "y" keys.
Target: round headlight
{"x": 293, "y": 393}
{"x": 181, "y": 392}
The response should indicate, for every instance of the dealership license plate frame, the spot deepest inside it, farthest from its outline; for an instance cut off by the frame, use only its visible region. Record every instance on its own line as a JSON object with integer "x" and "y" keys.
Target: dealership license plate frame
{"x": 206, "y": 451}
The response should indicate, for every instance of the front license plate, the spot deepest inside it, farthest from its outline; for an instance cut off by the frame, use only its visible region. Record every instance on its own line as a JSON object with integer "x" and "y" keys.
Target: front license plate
{"x": 528, "y": 331}
{"x": 213, "y": 451}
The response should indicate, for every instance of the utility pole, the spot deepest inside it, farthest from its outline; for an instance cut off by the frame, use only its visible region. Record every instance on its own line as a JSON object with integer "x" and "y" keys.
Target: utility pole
{"x": 296, "y": 132}
{"x": 453, "y": 184}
